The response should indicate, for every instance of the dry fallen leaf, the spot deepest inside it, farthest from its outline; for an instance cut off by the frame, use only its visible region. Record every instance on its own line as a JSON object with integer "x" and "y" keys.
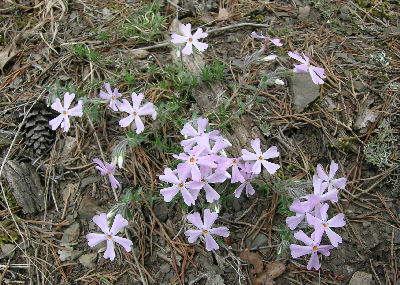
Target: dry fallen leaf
{"x": 8, "y": 53}
{"x": 258, "y": 274}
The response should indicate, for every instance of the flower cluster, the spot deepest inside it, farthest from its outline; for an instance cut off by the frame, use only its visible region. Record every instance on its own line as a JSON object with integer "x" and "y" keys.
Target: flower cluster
{"x": 204, "y": 163}
{"x": 315, "y": 211}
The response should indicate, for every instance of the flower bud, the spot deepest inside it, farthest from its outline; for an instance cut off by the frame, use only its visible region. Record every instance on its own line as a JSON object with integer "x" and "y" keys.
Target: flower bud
{"x": 277, "y": 81}
{"x": 269, "y": 57}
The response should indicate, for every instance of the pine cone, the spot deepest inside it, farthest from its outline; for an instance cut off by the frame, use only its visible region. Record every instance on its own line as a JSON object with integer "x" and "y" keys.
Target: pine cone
{"x": 37, "y": 132}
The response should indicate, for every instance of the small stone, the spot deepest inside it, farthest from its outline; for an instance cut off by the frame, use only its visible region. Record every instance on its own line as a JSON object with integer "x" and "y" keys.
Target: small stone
{"x": 7, "y": 249}
{"x": 88, "y": 260}
{"x": 304, "y": 12}
{"x": 139, "y": 54}
{"x": 70, "y": 234}
{"x": 303, "y": 91}
{"x": 361, "y": 278}
{"x": 89, "y": 180}
{"x": 89, "y": 208}
{"x": 165, "y": 268}
{"x": 366, "y": 224}
{"x": 161, "y": 212}
{"x": 260, "y": 240}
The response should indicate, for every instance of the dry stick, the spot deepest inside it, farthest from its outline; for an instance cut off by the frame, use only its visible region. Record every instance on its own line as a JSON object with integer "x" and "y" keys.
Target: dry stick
{"x": 175, "y": 267}
{"x": 387, "y": 209}
{"x": 167, "y": 43}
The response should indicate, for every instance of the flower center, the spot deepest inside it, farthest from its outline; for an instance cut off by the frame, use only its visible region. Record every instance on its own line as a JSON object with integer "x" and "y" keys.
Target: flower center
{"x": 325, "y": 225}
{"x": 203, "y": 180}
{"x": 330, "y": 181}
{"x": 248, "y": 180}
{"x": 308, "y": 65}
{"x": 205, "y": 231}
{"x": 314, "y": 248}
{"x": 190, "y": 39}
{"x": 191, "y": 159}
{"x": 64, "y": 112}
{"x": 134, "y": 113}
{"x": 234, "y": 161}
{"x": 109, "y": 236}
{"x": 108, "y": 172}
{"x": 112, "y": 98}
{"x": 260, "y": 158}
{"x": 181, "y": 185}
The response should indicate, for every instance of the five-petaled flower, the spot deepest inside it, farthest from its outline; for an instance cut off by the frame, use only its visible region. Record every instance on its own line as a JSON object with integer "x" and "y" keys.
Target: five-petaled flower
{"x": 135, "y": 110}
{"x": 205, "y": 229}
{"x": 301, "y": 209}
{"x": 109, "y": 235}
{"x": 108, "y": 169}
{"x": 248, "y": 176}
{"x": 312, "y": 247}
{"x": 317, "y": 73}
{"x": 111, "y": 96}
{"x": 261, "y": 158}
{"x": 328, "y": 181}
{"x": 323, "y": 225}
{"x": 190, "y": 190}
{"x": 189, "y": 39}
{"x": 65, "y": 111}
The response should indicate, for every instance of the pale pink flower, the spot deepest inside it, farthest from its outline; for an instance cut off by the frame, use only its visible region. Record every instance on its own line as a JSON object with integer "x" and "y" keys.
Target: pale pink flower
{"x": 135, "y": 110}
{"x": 111, "y": 96}
{"x": 312, "y": 247}
{"x": 207, "y": 177}
{"x": 261, "y": 158}
{"x": 189, "y": 39}
{"x": 276, "y": 42}
{"x": 65, "y": 112}
{"x": 189, "y": 190}
{"x": 317, "y": 73}
{"x": 109, "y": 235}
{"x": 301, "y": 209}
{"x": 205, "y": 229}
{"x": 248, "y": 176}
{"x": 323, "y": 225}
{"x": 198, "y": 137}
{"x": 329, "y": 181}
{"x": 330, "y": 195}
{"x": 107, "y": 169}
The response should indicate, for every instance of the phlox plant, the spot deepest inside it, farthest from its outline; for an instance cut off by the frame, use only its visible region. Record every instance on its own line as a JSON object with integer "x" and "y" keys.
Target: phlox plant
{"x": 204, "y": 164}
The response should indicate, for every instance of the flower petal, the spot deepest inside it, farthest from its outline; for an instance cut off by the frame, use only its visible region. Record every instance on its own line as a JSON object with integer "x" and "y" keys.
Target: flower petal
{"x": 294, "y": 221}
{"x": 118, "y": 223}
{"x": 239, "y": 190}
{"x": 95, "y": 239}
{"x": 126, "y": 121}
{"x": 188, "y": 130}
{"x": 193, "y": 235}
{"x": 301, "y": 236}
{"x": 195, "y": 219}
{"x": 315, "y": 78}
{"x": 104, "y": 95}
{"x": 220, "y": 231}
{"x": 211, "y": 194}
{"x": 136, "y": 100}
{"x": 125, "y": 106}
{"x": 340, "y": 183}
{"x": 124, "y": 242}
{"x": 169, "y": 193}
{"x": 55, "y": 123}
{"x": 57, "y": 106}
{"x": 255, "y": 144}
{"x": 169, "y": 176}
{"x": 147, "y": 109}
{"x": 313, "y": 262}
{"x": 299, "y": 250}
{"x": 139, "y": 125}
{"x": 65, "y": 124}
{"x": 271, "y": 153}
{"x": 101, "y": 222}
{"x": 186, "y": 29}
{"x": 187, "y": 49}
{"x": 209, "y": 218}
{"x": 77, "y": 110}
{"x": 187, "y": 197}
{"x": 68, "y": 99}
{"x": 247, "y": 155}
{"x": 334, "y": 238}
{"x": 109, "y": 253}
{"x": 337, "y": 221}
{"x": 270, "y": 167}
{"x": 199, "y": 34}
{"x": 321, "y": 173}
{"x": 200, "y": 46}
{"x": 296, "y": 56}
{"x": 178, "y": 39}
{"x": 210, "y": 243}
{"x": 249, "y": 189}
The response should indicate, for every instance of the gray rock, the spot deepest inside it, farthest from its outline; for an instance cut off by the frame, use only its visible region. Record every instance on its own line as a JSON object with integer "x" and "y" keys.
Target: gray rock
{"x": 304, "y": 12}
{"x": 70, "y": 234}
{"x": 237, "y": 206}
{"x": 7, "y": 249}
{"x": 89, "y": 180}
{"x": 361, "y": 278}
{"x": 303, "y": 91}
{"x": 396, "y": 238}
{"x": 165, "y": 268}
{"x": 88, "y": 260}
{"x": 161, "y": 212}
{"x": 89, "y": 208}
{"x": 260, "y": 240}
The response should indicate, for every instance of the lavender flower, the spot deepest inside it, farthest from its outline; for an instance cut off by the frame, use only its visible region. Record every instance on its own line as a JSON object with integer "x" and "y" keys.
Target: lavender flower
{"x": 189, "y": 39}
{"x": 208, "y": 177}
{"x": 205, "y": 229}
{"x": 323, "y": 225}
{"x": 312, "y": 247}
{"x": 109, "y": 234}
{"x": 190, "y": 190}
{"x": 108, "y": 169}
{"x": 135, "y": 110}
{"x": 65, "y": 112}
{"x": 111, "y": 96}
{"x": 301, "y": 209}
{"x": 199, "y": 136}
{"x": 260, "y": 158}
{"x": 248, "y": 176}
{"x": 317, "y": 73}
{"x": 328, "y": 181}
